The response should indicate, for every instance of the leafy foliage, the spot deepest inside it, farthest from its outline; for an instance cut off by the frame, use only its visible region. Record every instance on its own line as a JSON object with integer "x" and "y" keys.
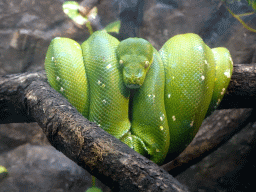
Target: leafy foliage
{"x": 94, "y": 189}
{"x": 113, "y": 27}
{"x": 252, "y": 3}
{"x": 3, "y": 172}
{"x": 71, "y": 8}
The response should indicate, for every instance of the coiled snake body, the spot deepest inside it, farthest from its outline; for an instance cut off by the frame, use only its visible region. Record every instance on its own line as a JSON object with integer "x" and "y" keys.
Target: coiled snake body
{"x": 174, "y": 88}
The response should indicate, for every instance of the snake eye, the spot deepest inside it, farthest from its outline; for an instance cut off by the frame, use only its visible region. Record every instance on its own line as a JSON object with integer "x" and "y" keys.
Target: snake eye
{"x": 146, "y": 64}
{"x": 121, "y": 62}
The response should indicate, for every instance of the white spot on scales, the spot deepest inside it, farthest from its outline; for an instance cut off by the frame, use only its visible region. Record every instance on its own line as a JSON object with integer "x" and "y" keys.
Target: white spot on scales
{"x": 231, "y": 60}
{"x": 227, "y": 73}
{"x": 162, "y": 118}
{"x": 108, "y": 66}
{"x": 223, "y": 90}
{"x": 200, "y": 47}
{"x": 153, "y": 96}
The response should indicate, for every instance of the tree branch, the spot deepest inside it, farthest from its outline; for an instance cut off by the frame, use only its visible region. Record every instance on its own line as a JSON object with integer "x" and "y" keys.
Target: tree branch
{"x": 27, "y": 97}
{"x": 216, "y": 130}
{"x": 241, "y": 92}
{"x": 104, "y": 156}
{"x": 221, "y": 125}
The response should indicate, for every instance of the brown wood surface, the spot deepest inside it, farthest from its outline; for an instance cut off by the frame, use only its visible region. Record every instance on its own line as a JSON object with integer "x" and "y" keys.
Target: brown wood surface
{"x": 241, "y": 92}
{"x": 214, "y": 132}
{"x": 114, "y": 163}
{"x": 27, "y": 97}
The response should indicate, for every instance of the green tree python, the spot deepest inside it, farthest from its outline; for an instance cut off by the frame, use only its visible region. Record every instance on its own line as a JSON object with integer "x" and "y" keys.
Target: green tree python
{"x": 174, "y": 89}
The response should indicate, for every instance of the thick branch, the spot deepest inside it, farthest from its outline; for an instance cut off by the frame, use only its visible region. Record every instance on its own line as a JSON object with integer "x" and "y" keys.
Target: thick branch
{"x": 221, "y": 125}
{"x": 27, "y": 98}
{"x": 215, "y": 131}
{"x": 241, "y": 92}
{"x": 104, "y": 156}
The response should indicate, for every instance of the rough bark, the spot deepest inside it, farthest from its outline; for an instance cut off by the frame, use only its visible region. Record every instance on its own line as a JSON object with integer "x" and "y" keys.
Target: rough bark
{"x": 241, "y": 92}
{"x": 221, "y": 125}
{"x": 214, "y": 132}
{"x": 104, "y": 156}
{"x": 27, "y": 98}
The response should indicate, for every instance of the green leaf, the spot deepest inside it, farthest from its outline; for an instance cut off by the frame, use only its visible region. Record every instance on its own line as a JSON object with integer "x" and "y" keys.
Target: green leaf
{"x": 3, "y": 169}
{"x": 252, "y": 3}
{"x": 71, "y": 9}
{"x": 113, "y": 27}
{"x": 3, "y": 172}
{"x": 93, "y": 13}
{"x": 94, "y": 189}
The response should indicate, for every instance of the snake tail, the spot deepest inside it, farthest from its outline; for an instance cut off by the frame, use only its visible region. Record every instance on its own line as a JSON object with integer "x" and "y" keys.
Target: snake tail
{"x": 224, "y": 69}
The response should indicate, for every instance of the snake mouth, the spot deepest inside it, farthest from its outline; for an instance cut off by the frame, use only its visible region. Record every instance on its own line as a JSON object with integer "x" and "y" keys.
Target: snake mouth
{"x": 133, "y": 86}
{"x": 133, "y": 83}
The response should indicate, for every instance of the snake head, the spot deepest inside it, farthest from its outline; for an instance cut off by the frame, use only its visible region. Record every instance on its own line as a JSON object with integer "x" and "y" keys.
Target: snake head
{"x": 135, "y": 56}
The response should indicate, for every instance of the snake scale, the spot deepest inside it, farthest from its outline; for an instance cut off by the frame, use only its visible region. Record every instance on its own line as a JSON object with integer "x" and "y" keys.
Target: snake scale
{"x": 173, "y": 89}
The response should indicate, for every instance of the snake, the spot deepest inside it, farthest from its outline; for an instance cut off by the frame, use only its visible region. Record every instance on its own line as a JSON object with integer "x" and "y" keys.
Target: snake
{"x": 153, "y": 101}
